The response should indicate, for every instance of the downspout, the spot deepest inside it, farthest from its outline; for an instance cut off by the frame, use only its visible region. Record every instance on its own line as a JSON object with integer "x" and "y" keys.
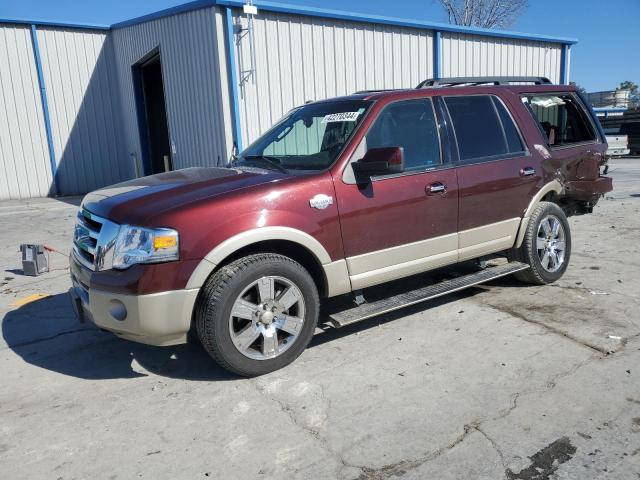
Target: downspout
{"x": 233, "y": 81}
{"x": 564, "y": 64}
{"x": 45, "y": 110}
{"x": 437, "y": 46}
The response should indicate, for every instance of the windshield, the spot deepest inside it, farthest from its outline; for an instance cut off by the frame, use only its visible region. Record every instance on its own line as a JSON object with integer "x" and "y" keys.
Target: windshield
{"x": 308, "y": 138}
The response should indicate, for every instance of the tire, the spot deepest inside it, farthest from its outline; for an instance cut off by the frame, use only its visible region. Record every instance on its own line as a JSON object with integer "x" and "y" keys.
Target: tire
{"x": 544, "y": 270}
{"x": 246, "y": 299}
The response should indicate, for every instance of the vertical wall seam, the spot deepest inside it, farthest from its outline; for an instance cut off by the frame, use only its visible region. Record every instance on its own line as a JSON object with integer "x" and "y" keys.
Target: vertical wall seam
{"x": 233, "y": 80}
{"x": 45, "y": 109}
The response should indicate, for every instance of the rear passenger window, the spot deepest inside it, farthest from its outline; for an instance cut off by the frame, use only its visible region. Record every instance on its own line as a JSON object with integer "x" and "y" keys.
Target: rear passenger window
{"x": 410, "y": 124}
{"x": 512, "y": 137}
{"x": 562, "y": 119}
{"x": 483, "y": 128}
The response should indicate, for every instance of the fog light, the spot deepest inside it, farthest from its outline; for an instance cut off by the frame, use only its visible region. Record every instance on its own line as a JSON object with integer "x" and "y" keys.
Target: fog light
{"x": 117, "y": 310}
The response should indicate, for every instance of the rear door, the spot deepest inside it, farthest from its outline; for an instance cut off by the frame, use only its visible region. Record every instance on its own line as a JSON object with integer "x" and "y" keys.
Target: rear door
{"x": 497, "y": 175}
{"x": 400, "y": 224}
{"x": 570, "y": 133}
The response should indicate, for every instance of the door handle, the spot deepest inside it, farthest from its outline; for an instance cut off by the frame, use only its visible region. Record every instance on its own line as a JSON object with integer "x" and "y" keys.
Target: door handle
{"x": 437, "y": 187}
{"x": 527, "y": 171}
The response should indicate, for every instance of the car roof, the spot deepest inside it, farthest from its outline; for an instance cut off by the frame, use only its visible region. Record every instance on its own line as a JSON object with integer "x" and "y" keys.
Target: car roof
{"x": 397, "y": 94}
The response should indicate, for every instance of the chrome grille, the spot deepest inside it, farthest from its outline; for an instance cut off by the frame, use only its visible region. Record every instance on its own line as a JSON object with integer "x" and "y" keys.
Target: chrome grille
{"x": 93, "y": 239}
{"x": 85, "y": 238}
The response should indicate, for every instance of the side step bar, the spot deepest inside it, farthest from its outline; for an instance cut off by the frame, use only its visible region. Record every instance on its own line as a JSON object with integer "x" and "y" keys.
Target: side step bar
{"x": 389, "y": 304}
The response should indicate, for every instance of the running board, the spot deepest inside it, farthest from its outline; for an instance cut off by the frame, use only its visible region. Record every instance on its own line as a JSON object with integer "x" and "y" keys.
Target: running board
{"x": 389, "y": 304}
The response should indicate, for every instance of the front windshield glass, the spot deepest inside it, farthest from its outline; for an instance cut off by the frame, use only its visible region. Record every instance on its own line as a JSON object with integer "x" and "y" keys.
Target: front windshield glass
{"x": 308, "y": 138}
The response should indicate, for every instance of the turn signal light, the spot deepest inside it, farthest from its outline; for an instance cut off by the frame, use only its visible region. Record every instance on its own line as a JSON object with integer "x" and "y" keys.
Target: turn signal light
{"x": 161, "y": 242}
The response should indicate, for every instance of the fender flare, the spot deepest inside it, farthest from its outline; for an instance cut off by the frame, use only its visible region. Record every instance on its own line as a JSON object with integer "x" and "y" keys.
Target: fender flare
{"x": 552, "y": 186}
{"x": 246, "y": 238}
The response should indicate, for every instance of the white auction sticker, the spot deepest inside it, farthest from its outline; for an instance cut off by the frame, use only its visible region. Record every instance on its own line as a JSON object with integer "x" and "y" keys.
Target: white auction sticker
{"x": 341, "y": 117}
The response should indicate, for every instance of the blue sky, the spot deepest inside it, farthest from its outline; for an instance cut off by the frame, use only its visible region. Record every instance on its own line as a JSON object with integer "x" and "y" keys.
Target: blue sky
{"x": 608, "y": 51}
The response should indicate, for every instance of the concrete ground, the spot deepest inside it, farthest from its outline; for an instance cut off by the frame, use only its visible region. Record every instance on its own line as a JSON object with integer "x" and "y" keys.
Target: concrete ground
{"x": 499, "y": 382}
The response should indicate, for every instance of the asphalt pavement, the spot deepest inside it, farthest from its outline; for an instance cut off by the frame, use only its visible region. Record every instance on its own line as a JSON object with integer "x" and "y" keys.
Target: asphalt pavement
{"x": 502, "y": 381}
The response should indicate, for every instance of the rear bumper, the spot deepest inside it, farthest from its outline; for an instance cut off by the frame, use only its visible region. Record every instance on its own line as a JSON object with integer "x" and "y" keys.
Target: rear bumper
{"x": 588, "y": 190}
{"x": 618, "y": 151}
{"x": 156, "y": 319}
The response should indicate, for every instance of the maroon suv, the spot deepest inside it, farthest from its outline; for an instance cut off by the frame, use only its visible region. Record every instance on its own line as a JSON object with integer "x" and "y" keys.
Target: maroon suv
{"x": 341, "y": 195}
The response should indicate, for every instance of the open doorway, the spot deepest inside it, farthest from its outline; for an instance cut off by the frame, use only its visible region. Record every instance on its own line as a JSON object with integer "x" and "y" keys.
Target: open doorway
{"x": 152, "y": 115}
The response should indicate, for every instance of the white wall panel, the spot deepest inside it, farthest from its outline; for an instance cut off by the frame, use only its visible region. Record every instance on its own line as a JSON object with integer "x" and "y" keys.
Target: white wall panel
{"x": 24, "y": 157}
{"x": 195, "y": 84}
{"x": 302, "y": 58}
{"x": 84, "y": 108}
{"x": 472, "y": 55}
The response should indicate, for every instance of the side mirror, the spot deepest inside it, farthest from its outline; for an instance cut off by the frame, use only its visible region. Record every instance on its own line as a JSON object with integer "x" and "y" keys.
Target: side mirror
{"x": 380, "y": 161}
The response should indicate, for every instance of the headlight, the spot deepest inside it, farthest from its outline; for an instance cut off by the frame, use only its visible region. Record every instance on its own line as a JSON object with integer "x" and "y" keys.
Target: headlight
{"x": 145, "y": 245}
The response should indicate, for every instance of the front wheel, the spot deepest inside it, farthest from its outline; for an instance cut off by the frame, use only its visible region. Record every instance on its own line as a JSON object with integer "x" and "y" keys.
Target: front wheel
{"x": 546, "y": 246}
{"x": 257, "y": 314}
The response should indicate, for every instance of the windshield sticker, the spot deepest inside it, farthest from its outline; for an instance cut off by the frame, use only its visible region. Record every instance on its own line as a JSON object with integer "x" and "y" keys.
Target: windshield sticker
{"x": 341, "y": 117}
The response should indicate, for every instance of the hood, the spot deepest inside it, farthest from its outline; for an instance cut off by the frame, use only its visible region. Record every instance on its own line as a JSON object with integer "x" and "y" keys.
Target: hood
{"x": 136, "y": 200}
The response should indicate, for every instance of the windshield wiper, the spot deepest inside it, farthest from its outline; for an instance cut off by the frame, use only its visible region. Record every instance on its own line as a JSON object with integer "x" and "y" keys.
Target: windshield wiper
{"x": 272, "y": 161}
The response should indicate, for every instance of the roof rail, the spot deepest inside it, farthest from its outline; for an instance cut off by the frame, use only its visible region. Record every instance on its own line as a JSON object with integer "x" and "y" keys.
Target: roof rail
{"x": 376, "y": 90}
{"x": 453, "y": 81}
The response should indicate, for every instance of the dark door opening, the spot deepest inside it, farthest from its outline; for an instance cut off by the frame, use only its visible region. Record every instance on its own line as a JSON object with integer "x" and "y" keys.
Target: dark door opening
{"x": 152, "y": 115}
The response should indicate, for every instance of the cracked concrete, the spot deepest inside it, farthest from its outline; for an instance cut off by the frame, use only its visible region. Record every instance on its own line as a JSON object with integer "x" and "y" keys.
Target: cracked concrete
{"x": 477, "y": 385}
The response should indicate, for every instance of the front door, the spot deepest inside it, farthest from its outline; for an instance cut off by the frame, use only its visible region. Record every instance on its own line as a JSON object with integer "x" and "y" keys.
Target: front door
{"x": 497, "y": 176}
{"x": 401, "y": 224}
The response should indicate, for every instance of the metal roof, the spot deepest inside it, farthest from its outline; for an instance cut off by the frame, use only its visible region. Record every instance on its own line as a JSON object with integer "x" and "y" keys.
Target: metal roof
{"x": 47, "y": 23}
{"x": 307, "y": 11}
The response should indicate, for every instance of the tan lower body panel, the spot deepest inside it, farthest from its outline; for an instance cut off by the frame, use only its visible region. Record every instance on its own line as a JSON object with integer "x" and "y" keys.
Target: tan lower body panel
{"x": 401, "y": 261}
{"x": 487, "y": 239}
{"x": 157, "y": 319}
{"x": 404, "y": 260}
{"x": 386, "y": 274}
{"x": 337, "y": 276}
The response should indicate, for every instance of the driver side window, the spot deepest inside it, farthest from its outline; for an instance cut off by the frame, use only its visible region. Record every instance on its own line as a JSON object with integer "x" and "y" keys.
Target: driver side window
{"x": 410, "y": 124}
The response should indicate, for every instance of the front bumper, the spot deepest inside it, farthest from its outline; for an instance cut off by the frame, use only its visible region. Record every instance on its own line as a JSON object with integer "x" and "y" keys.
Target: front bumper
{"x": 156, "y": 319}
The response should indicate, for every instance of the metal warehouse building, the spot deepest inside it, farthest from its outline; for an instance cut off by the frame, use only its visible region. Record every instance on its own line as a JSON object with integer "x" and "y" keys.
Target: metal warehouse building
{"x": 84, "y": 106}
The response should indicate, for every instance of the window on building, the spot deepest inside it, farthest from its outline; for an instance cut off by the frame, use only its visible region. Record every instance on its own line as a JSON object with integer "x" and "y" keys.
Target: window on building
{"x": 483, "y": 127}
{"x": 410, "y": 124}
{"x": 562, "y": 119}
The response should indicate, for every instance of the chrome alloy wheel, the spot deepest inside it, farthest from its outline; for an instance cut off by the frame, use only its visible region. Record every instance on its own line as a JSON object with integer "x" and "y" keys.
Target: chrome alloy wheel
{"x": 550, "y": 243}
{"x": 267, "y": 318}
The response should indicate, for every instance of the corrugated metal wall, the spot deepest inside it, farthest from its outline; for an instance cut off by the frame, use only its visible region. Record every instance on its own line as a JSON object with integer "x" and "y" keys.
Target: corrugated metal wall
{"x": 473, "y": 55}
{"x": 84, "y": 108}
{"x": 194, "y": 75}
{"x": 24, "y": 158}
{"x": 89, "y": 82}
{"x": 302, "y": 58}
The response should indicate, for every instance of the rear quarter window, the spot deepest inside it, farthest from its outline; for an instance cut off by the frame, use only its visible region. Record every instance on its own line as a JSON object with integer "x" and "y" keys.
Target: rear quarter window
{"x": 562, "y": 118}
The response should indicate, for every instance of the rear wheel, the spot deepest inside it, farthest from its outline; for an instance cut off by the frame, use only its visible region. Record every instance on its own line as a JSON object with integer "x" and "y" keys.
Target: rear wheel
{"x": 257, "y": 314}
{"x": 546, "y": 246}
